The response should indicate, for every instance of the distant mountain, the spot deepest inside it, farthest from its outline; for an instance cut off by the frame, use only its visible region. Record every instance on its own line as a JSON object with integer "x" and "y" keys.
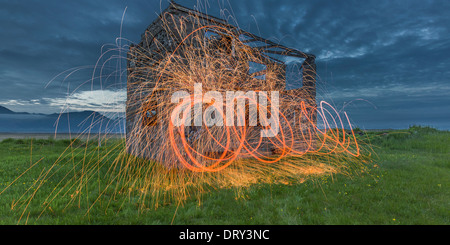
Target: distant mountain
{"x": 74, "y": 122}
{"x": 4, "y": 110}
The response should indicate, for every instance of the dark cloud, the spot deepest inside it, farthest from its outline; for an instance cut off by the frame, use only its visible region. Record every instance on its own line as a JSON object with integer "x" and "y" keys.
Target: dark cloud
{"x": 384, "y": 62}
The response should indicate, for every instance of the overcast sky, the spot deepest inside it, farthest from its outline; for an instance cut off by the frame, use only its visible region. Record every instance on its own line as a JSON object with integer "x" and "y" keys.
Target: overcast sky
{"x": 384, "y": 62}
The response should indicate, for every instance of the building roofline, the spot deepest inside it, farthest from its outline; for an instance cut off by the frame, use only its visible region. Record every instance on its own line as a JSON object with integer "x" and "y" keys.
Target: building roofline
{"x": 270, "y": 44}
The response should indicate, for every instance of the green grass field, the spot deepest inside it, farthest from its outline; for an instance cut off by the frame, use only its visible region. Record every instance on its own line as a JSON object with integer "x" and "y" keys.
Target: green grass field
{"x": 409, "y": 184}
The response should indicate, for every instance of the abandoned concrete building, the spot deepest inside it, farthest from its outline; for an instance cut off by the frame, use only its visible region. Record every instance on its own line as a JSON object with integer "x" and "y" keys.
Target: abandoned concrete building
{"x": 148, "y": 97}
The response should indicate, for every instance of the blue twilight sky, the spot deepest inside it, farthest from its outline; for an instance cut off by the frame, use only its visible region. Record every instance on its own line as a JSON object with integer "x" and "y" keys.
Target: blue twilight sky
{"x": 386, "y": 63}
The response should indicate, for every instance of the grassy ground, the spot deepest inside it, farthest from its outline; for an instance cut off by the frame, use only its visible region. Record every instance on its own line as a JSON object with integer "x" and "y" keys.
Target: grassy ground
{"x": 410, "y": 184}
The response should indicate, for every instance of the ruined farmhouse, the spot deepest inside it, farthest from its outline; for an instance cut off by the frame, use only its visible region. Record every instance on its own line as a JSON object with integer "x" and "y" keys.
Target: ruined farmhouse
{"x": 184, "y": 46}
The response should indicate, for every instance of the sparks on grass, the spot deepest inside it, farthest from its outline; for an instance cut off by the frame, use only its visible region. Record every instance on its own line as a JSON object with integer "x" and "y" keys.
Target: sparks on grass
{"x": 203, "y": 158}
